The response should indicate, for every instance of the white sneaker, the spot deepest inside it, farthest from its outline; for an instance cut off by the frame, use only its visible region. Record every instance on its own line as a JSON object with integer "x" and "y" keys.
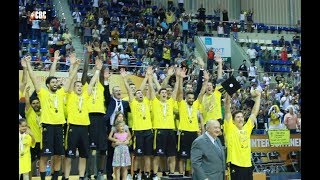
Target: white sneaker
{"x": 139, "y": 176}
{"x": 129, "y": 177}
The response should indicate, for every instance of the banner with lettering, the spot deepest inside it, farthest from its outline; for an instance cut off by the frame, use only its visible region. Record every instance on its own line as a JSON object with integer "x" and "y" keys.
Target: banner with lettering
{"x": 279, "y": 137}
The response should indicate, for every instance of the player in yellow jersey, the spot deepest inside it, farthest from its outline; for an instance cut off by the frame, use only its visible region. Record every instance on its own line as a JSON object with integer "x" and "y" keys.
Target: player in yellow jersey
{"x": 97, "y": 109}
{"x": 78, "y": 122}
{"x": 52, "y": 118}
{"x": 141, "y": 125}
{"x": 132, "y": 88}
{"x": 188, "y": 124}
{"x": 164, "y": 126}
{"x": 211, "y": 103}
{"x": 212, "y": 98}
{"x": 33, "y": 112}
{"x": 237, "y": 134}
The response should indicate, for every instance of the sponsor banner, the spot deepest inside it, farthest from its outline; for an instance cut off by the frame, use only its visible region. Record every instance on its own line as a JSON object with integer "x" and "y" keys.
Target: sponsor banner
{"x": 220, "y": 46}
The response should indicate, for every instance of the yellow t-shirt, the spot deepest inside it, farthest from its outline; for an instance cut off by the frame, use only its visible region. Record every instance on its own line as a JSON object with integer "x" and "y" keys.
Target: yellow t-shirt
{"x": 24, "y": 153}
{"x": 162, "y": 114}
{"x": 238, "y": 143}
{"x": 77, "y": 107}
{"x": 52, "y": 106}
{"x": 129, "y": 113}
{"x": 188, "y": 116}
{"x": 20, "y": 94}
{"x": 33, "y": 121}
{"x": 96, "y": 100}
{"x": 166, "y": 54}
{"x": 211, "y": 105}
{"x": 141, "y": 115}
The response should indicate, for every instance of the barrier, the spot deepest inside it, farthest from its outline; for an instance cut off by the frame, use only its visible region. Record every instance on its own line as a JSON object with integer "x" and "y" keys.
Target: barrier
{"x": 115, "y": 80}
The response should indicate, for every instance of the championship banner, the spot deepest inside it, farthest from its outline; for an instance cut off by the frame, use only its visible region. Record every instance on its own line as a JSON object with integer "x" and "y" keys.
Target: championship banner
{"x": 279, "y": 137}
{"x": 114, "y": 80}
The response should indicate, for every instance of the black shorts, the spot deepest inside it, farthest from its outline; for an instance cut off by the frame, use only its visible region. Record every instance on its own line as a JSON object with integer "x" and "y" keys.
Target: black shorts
{"x": 238, "y": 173}
{"x": 185, "y": 142}
{"x": 97, "y": 132}
{"x": 52, "y": 140}
{"x": 166, "y": 142}
{"x": 35, "y": 152}
{"x": 142, "y": 143}
{"x": 77, "y": 137}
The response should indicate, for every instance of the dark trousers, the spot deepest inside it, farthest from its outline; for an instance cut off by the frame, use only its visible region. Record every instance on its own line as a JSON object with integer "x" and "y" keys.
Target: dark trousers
{"x": 241, "y": 173}
{"x": 109, "y": 169}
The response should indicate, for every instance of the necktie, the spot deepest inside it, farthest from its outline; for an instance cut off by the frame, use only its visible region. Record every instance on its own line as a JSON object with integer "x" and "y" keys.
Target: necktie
{"x": 118, "y": 106}
{"x": 217, "y": 146}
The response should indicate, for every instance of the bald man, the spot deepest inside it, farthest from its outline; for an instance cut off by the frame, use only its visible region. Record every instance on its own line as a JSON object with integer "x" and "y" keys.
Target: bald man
{"x": 207, "y": 155}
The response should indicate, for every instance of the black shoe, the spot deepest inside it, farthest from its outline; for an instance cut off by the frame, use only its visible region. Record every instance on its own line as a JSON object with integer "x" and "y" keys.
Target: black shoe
{"x": 164, "y": 174}
{"x": 135, "y": 176}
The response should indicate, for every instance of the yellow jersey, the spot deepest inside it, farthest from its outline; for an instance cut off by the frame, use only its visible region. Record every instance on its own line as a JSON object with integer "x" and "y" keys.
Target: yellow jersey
{"x": 33, "y": 120}
{"x": 188, "y": 116}
{"x": 96, "y": 100}
{"x": 162, "y": 114}
{"x": 238, "y": 143}
{"x": 77, "y": 107}
{"x": 141, "y": 116}
{"x": 52, "y": 106}
{"x": 211, "y": 105}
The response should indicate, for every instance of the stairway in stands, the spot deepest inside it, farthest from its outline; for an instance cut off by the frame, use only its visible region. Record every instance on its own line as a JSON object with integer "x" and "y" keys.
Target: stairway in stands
{"x": 63, "y": 11}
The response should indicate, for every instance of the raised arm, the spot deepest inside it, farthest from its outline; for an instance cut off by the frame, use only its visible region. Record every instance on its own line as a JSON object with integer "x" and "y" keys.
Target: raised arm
{"x": 180, "y": 88}
{"x": 23, "y": 82}
{"x": 86, "y": 63}
{"x": 27, "y": 98}
{"x": 143, "y": 84}
{"x": 72, "y": 75}
{"x": 169, "y": 74}
{"x": 73, "y": 60}
{"x": 181, "y": 73}
{"x": 204, "y": 85}
{"x": 219, "y": 60}
{"x": 106, "y": 92}
{"x": 125, "y": 80}
{"x": 156, "y": 82}
{"x": 53, "y": 67}
{"x": 151, "y": 89}
{"x": 32, "y": 76}
{"x": 256, "y": 107}
{"x": 96, "y": 75}
{"x": 227, "y": 110}
{"x": 199, "y": 84}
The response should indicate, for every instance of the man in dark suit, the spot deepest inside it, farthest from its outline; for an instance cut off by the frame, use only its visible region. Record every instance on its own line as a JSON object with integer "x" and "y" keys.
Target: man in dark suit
{"x": 207, "y": 155}
{"x": 114, "y": 104}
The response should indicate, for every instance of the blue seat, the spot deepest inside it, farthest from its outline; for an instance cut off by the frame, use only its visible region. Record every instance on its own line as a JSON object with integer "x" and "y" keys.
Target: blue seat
{"x": 33, "y": 58}
{"x": 289, "y": 62}
{"x": 275, "y": 42}
{"x": 272, "y": 61}
{"x": 25, "y": 41}
{"x": 272, "y": 29}
{"x": 276, "y": 69}
{"x": 33, "y": 50}
{"x": 43, "y": 50}
{"x": 34, "y": 42}
{"x": 43, "y": 58}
